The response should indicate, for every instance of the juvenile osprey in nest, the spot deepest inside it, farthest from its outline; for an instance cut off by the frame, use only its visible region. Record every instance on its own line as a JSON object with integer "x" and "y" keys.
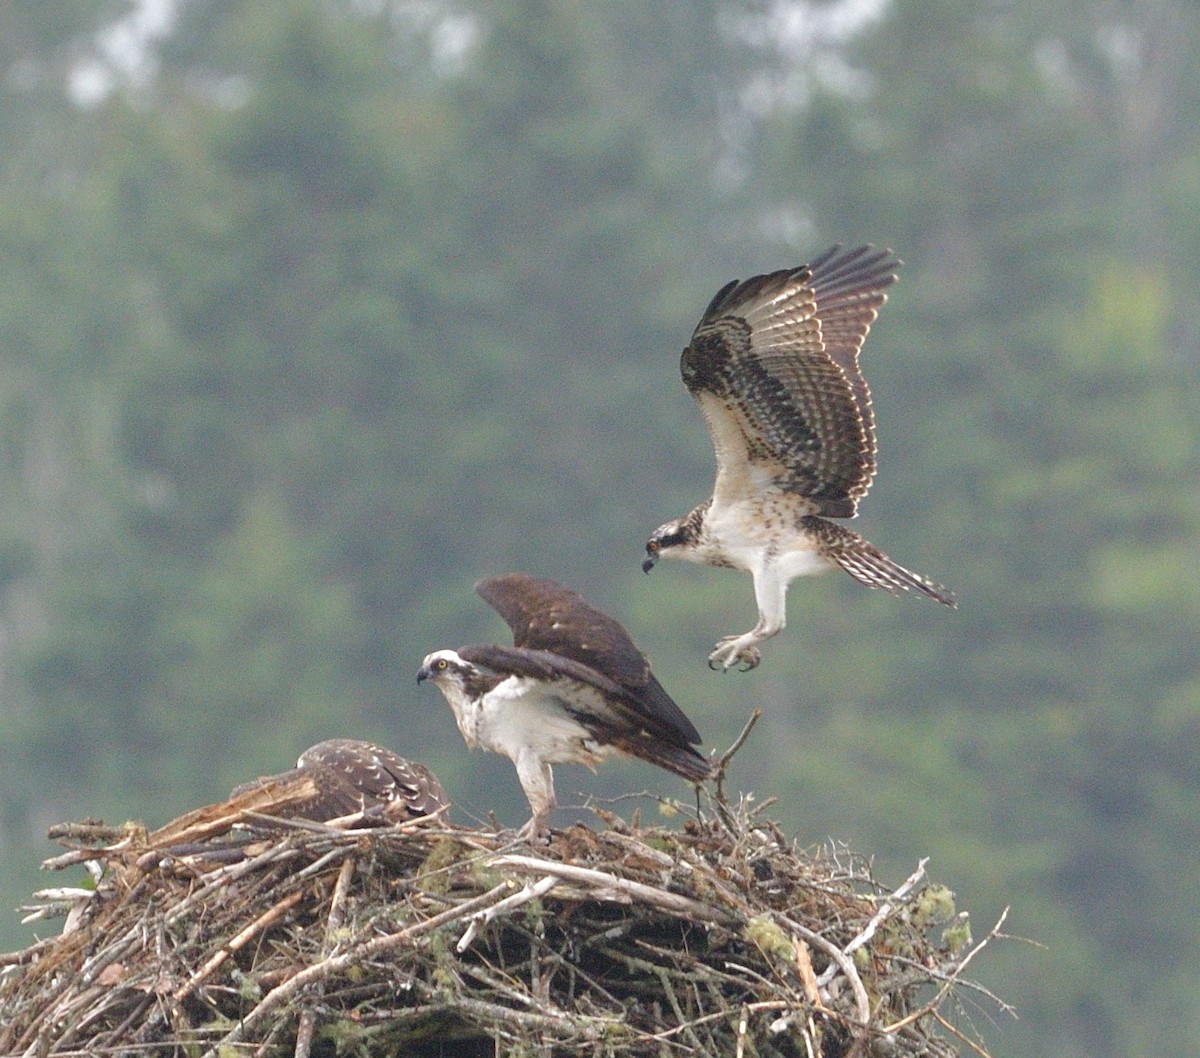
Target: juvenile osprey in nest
{"x": 572, "y": 690}
{"x": 773, "y": 365}
{"x": 342, "y": 776}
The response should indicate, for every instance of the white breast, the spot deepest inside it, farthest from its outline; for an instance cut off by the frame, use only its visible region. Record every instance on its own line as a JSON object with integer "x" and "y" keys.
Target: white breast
{"x": 524, "y": 714}
{"x": 742, "y": 534}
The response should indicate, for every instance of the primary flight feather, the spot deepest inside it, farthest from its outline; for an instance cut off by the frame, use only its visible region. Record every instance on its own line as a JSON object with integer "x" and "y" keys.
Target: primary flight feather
{"x": 773, "y": 365}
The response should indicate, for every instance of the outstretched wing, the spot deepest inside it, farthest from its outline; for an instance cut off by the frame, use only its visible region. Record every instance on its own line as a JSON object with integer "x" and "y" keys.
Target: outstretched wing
{"x": 773, "y": 365}
{"x": 546, "y": 616}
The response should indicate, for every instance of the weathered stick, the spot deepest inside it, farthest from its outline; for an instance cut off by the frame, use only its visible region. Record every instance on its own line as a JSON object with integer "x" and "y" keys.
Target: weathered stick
{"x": 606, "y": 886}
{"x": 335, "y": 964}
{"x": 861, "y": 1000}
{"x": 236, "y": 942}
{"x": 307, "y": 1024}
{"x": 887, "y": 907}
{"x": 723, "y": 765}
{"x": 482, "y": 918}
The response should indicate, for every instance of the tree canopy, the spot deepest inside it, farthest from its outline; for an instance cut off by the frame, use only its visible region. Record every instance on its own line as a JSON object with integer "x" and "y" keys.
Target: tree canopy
{"x": 316, "y": 312}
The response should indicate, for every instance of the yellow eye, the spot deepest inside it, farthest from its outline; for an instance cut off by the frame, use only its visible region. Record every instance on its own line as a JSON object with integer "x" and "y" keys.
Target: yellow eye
{"x": 652, "y": 546}
{"x": 441, "y": 664}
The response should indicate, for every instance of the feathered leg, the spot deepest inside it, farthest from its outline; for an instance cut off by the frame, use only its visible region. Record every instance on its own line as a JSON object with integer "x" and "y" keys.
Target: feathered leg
{"x": 770, "y": 592}
{"x": 537, "y": 780}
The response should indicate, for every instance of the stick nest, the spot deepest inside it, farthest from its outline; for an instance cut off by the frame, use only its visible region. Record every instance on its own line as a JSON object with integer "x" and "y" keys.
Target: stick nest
{"x": 716, "y": 937}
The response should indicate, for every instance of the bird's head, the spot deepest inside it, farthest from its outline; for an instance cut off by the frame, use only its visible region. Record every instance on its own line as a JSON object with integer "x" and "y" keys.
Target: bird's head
{"x": 459, "y": 682}
{"x": 443, "y": 667}
{"x": 666, "y": 540}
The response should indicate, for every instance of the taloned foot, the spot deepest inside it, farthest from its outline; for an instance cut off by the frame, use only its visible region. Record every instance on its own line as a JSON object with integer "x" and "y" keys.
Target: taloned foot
{"x": 536, "y": 831}
{"x": 729, "y": 652}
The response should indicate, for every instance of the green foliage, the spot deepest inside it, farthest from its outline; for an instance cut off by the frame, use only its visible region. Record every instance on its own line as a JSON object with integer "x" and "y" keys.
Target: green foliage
{"x": 350, "y": 304}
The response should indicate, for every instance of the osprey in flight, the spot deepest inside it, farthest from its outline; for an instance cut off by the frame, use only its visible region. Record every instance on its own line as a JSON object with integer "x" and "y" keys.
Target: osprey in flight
{"x": 572, "y": 690}
{"x": 343, "y": 776}
{"x": 773, "y": 365}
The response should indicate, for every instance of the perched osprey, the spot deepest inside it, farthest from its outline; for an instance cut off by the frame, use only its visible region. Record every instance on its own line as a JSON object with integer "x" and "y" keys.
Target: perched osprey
{"x": 342, "y": 776}
{"x": 773, "y": 365}
{"x": 572, "y": 690}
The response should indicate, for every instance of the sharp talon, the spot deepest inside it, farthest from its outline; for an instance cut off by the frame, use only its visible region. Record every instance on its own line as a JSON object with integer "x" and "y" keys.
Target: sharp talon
{"x": 749, "y": 658}
{"x": 725, "y": 656}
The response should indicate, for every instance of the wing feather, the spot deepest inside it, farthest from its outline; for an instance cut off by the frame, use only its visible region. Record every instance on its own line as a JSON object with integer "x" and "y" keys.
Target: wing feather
{"x": 344, "y": 776}
{"x": 614, "y": 716}
{"x": 545, "y": 616}
{"x": 773, "y": 365}
{"x": 374, "y": 774}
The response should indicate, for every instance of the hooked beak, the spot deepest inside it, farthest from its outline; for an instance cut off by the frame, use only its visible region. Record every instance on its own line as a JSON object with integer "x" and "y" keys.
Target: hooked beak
{"x": 648, "y": 563}
{"x": 423, "y": 674}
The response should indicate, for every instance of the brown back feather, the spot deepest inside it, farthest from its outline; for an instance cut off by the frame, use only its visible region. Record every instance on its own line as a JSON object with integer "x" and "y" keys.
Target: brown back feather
{"x": 621, "y": 721}
{"x": 347, "y": 776}
{"x": 546, "y": 616}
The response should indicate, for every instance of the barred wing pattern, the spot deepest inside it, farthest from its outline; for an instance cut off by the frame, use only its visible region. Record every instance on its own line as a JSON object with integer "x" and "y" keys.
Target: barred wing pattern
{"x": 348, "y": 775}
{"x": 773, "y": 365}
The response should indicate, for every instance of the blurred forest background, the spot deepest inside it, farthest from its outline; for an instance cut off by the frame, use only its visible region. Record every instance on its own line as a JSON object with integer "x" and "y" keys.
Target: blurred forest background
{"x": 314, "y": 311}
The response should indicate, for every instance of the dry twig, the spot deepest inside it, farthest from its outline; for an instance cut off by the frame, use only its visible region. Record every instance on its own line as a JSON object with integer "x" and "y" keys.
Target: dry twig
{"x": 717, "y": 938}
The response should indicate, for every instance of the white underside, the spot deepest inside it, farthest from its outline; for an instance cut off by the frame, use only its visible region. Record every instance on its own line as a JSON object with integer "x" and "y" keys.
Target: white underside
{"x": 521, "y": 715}
{"x": 526, "y": 721}
{"x": 749, "y": 535}
{"x": 762, "y": 538}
